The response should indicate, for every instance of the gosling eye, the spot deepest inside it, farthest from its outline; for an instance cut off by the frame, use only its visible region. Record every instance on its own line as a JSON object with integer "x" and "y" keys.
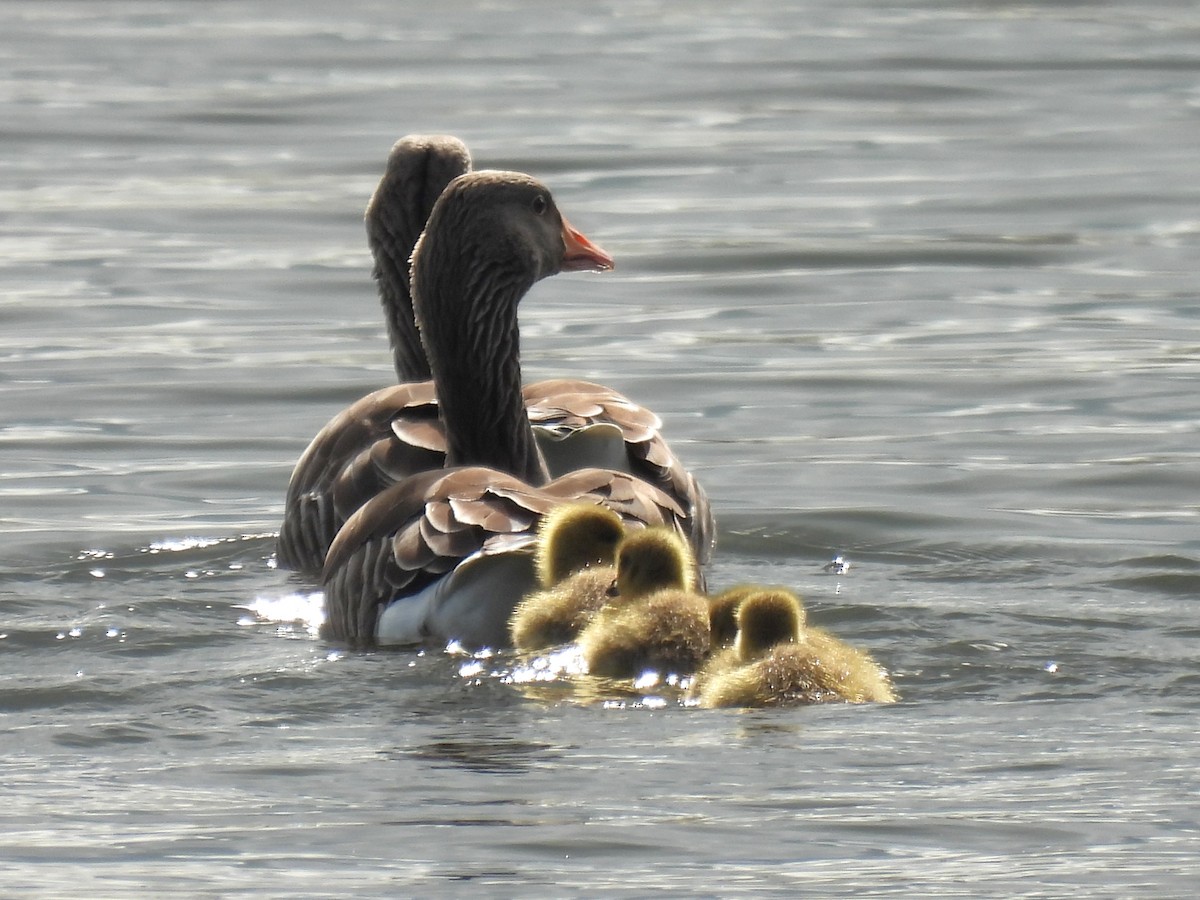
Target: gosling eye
{"x": 538, "y": 205}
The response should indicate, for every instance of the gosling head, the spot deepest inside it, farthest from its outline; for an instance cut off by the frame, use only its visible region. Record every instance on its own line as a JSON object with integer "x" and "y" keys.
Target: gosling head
{"x": 575, "y": 536}
{"x": 722, "y": 612}
{"x": 767, "y": 618}
{"x": 651, "y": 560}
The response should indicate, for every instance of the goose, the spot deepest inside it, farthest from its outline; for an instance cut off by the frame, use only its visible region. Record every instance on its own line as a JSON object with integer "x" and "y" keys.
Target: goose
{"x": 446, "y": 553}
{"x": 396, "y": 431}
{"x": 656, "y": 620}
{"x": 576, "y": 549}
{"x": 776, "y": 659}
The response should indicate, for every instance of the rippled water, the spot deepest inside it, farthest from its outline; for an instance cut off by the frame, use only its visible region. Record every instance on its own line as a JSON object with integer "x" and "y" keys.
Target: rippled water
{"x": 910, "y": 282}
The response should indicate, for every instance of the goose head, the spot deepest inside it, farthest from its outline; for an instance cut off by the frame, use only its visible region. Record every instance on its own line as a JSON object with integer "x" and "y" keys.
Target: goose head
{"x": 575, "y": 536}
{"x": 651, "y": 560}
{"x": 493, "y": 221}
{"x": 766, "y": 619}
{"x": 490, "y": 238}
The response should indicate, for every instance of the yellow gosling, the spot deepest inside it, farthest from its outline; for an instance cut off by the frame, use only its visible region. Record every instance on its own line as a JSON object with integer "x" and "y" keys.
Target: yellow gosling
{"x": 776, "y": 660}
{"x": 849, "y": 673}
{"x": 761, "y": 619}
{"x": 577, "y": 544}
{"x": 574, "y": 536}
{"x": 656, "y": 621}
{"x": 722, "y": 612}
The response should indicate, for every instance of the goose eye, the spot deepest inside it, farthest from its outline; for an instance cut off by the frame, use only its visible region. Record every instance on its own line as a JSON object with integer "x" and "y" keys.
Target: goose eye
{"x": 538, "y": 205}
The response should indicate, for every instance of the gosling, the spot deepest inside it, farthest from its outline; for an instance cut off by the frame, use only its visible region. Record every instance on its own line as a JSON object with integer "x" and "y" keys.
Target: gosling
{"x": 655, "y": 620}
{"x": 577, "y": 545}
{"x": 722, "y": 612}
{"x": 777, "y": 660}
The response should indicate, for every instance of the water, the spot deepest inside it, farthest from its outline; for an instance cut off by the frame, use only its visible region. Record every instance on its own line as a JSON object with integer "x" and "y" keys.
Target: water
{"x": 910, "y": 282}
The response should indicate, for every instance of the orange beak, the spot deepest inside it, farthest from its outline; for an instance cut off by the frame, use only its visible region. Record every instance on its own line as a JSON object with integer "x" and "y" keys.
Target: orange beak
{"x": 581, "y": 255}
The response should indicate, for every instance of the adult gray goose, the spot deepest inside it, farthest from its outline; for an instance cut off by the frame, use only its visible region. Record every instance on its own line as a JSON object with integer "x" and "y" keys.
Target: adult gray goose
{"x": 396, "y": 432}
{"x": 447, "y": 553}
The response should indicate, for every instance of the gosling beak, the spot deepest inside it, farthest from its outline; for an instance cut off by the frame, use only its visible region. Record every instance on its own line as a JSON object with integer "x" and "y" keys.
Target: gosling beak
{"x": 613, "y": 590}
{"x": 580, "y": 254}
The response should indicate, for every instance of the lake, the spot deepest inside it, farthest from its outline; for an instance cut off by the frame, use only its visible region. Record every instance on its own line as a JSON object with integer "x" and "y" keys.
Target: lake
{"x": 912, "y": 283}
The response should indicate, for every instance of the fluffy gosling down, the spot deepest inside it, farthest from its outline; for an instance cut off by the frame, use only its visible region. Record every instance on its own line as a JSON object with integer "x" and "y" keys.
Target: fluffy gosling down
{"x": 776, "y": 659}
{"x": 577, "y": 545}
{"x": 656, "y": 621}
{"x": 722, "y": 612}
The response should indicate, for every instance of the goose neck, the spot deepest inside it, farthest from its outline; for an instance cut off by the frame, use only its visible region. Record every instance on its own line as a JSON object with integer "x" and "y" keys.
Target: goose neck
{"x": 471, "y": 335}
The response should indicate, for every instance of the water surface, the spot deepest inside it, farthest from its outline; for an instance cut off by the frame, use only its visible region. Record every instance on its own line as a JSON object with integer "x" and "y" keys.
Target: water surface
{"x": 910, "y": 282}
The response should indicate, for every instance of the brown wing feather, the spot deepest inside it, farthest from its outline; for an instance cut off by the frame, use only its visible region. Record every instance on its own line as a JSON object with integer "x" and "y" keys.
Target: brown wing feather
{"x": 575, "y": 403}
{"x": 353, "y": 458}
{"x": 414, "y": 531}
{"x": 394, "y": 433}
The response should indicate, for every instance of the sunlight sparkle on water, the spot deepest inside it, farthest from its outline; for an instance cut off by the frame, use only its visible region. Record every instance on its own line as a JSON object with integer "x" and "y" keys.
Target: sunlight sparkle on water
{"x": 647, "y": 679}
{"x": 175, "y": 545}
{"x": 549, "y": 666}
{"x": 307, "y": 609}
{"x": 649, "y": 702}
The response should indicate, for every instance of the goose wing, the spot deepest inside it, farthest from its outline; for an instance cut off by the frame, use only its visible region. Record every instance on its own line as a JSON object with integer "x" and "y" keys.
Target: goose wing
{"x": 374, "y": 443}
{"x": 395, "y": 433}
{"x": 573, "y": 406}
{"x": 450, "y": 553}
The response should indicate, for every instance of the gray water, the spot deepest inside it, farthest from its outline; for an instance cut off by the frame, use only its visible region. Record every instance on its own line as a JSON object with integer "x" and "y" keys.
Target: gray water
{"x": 912, "y": 282}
